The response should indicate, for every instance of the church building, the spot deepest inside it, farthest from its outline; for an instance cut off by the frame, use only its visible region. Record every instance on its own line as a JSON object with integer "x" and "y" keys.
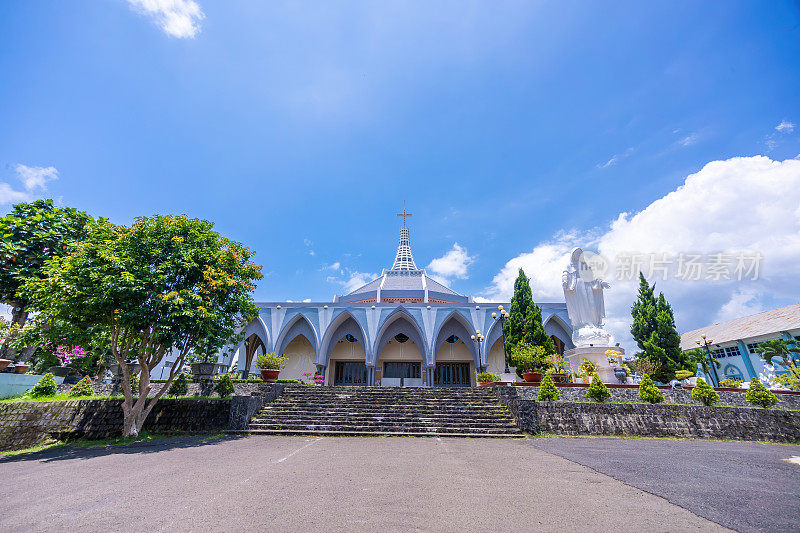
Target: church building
{"x": 401, "y": 329}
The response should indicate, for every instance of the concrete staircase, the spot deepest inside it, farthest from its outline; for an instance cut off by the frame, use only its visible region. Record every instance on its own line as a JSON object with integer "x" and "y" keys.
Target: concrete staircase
{"x": 451, "y": 412}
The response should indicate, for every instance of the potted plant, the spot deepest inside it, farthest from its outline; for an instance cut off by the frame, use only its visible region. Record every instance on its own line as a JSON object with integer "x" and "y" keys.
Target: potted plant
{"x": 4, "y": 363}
{"x": 487, "y": 377}
{"x": 527, "y": 359}
{"x": 21, "y": 368}
{"x": 557, "y": 368}
{"x": 270, "y": 365}
{"x": 587, "y": 371}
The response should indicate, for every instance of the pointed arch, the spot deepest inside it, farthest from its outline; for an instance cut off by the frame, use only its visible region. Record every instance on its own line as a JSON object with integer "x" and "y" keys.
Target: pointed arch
{"x": 344, "y": 324}
{"x": 298, "y": 325}
{"x": 254, "y": 335}
{"x": 399, "y": 321}
{"x": 556, "y": 327}
{"x": 456, "y": 324}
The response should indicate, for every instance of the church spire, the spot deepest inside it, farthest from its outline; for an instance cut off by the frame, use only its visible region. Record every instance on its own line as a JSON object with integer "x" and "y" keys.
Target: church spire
{"x": 404, "y": 260}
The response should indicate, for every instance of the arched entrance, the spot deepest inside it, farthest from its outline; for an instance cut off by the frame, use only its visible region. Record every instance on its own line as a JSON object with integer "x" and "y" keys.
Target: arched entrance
{"x": 400, "y": 356}
{"x": 253, "y": 347}
{"x": 457, "y": 355}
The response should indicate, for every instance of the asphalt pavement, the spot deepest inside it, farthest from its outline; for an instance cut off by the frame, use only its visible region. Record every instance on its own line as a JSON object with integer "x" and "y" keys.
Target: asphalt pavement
{"x": 327, "y": 484}
{"x": 745, "y": 486}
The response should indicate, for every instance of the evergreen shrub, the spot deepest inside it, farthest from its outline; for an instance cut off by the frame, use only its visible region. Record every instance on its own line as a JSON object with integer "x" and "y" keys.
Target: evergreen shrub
{"x": 180, "y": 386}
{"x": 704, "y": 393}
{"x": 45, "y": 387}
{"x": 598, "y": 390}
{"x": 649, "y": 392}
{"x": 548, "y": 391}
{"x": 224, "y": 385}
{"x": 82, "y": 388}
{"x": 758, "y": 395}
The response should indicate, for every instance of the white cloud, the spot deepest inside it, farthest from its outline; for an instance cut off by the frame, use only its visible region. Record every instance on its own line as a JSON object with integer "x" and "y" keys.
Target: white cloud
{"x": 334, "y": 266}
{"x": 356, "y": 280}
{"x": 452, "y": 264}
{"x": 785, "y": 126}
{"x": 306, "y": 300}
{"x": 35, "y": 177}
{"x": 615, "y": 159}
{"x": 743, "y": 203}
{"x": 34, "y": 180}
{"x": 688, "y": 140}
{"x": 177, "y": 18}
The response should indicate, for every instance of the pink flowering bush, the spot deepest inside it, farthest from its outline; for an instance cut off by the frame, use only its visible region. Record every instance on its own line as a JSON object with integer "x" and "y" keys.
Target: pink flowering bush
{"x": 312, "y": 378}
{"x": 68, "y": 356}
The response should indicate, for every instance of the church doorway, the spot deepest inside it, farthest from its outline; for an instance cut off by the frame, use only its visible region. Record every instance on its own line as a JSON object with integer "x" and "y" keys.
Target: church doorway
{"x": 452, "y": 375}
{"x": 350, "y": 373}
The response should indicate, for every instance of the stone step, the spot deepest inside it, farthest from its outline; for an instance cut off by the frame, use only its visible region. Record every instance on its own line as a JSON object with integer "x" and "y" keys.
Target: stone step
{"x": 389, "y": 428}
{"x": 351, "y": 433}
{"x": 380, "y": 424}
{"x": 382, "y": 416}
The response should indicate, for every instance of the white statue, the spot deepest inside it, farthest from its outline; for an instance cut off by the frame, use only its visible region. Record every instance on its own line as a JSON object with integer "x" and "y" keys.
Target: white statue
{"x": 583, "y": 292}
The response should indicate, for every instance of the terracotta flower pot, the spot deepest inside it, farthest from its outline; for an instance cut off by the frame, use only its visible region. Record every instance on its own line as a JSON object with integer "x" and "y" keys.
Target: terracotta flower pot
{"x": 269, "y": 375}
{"x": 532, "y": 377}
{"x": 21, "y": 369}
{"x": 559, "y": 377}
{"x": 4, "y": 363}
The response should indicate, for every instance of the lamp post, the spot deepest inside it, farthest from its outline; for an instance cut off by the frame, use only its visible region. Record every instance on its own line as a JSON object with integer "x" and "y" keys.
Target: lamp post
{"x": 503, "y": 316}
{"x": 479, "y": 338}
{"x": 706, "y": 342}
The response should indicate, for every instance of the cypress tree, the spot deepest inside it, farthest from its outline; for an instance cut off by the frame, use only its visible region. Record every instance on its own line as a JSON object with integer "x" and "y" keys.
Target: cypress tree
{"x": 643, "y": 313}
{"x": 514, "y": 326}
{"x": 654, "y": 331}
{"x": 534, "y": 330}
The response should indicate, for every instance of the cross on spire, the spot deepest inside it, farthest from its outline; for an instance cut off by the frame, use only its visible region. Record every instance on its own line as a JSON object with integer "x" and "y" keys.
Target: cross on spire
{"x": 404, "y": 214}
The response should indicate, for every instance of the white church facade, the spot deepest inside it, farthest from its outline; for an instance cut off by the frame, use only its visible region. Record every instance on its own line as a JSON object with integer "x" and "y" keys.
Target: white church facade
{"x": 401, "y": 329}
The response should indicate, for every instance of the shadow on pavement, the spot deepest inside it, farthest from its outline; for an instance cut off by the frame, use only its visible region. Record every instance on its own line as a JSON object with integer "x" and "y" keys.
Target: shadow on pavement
{"x": 69, "y": 451}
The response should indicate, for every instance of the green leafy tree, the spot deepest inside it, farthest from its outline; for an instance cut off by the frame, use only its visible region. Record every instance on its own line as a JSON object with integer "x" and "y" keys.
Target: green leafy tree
{"x": 31, "y": 234}
{"x": 45, "y": 387}
{"x": 548, "y": 392}
{"x": 179, "y": 387}
{"x": 597, "y": 390}
{"x": 648, "y": 392}
{"x": 167, "y": 282}
{"x": 82, "y": 388}
{"x": 704, "y": 393}
{"x": 654, "y": 331}
{"x": 757, "y": 394}
{"x": 526, "y": 357}
{"x": 224, "y": 385}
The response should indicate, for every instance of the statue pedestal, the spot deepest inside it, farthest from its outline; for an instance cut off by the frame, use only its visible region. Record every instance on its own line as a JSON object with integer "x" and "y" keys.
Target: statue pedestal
{"x": 597, "y": 355}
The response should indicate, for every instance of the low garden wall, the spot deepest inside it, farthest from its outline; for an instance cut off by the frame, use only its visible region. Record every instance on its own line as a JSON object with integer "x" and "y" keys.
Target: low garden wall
{"x": 788, "y": 399}
{"x": 202, "y": 389}
{"x": 656, "y": 420}
{"x": 24, "y": 424}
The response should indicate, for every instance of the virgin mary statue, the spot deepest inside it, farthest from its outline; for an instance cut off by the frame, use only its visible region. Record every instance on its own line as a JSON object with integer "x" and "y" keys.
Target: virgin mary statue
{"x": 583, "y": 292}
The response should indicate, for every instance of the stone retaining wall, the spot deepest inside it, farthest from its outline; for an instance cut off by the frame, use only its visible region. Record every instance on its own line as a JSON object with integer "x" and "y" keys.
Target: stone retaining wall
{"x": 578, "y": 394}
{"x": 659, "y": 420}
{"x": 24, "y": 424}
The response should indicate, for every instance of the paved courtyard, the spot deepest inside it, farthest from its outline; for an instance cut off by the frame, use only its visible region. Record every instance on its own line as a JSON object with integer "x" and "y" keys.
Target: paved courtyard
{"x": 396, "y": 484}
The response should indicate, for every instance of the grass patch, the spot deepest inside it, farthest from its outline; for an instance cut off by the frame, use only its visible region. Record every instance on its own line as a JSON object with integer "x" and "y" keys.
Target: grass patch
{"x": 63, "y": 397}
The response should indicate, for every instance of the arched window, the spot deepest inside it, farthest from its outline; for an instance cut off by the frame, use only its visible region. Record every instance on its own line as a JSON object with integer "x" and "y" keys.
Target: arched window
{"x": 733, "y": 372}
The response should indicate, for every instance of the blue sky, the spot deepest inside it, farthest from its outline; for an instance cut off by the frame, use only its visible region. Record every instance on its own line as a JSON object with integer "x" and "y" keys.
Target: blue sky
{"x": 302, "y": 127}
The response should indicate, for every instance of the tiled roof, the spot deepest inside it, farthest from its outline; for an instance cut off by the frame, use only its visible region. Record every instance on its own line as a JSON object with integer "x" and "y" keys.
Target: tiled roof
{"x": 403, "y": 280}
{"x": 773, "y": 321}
